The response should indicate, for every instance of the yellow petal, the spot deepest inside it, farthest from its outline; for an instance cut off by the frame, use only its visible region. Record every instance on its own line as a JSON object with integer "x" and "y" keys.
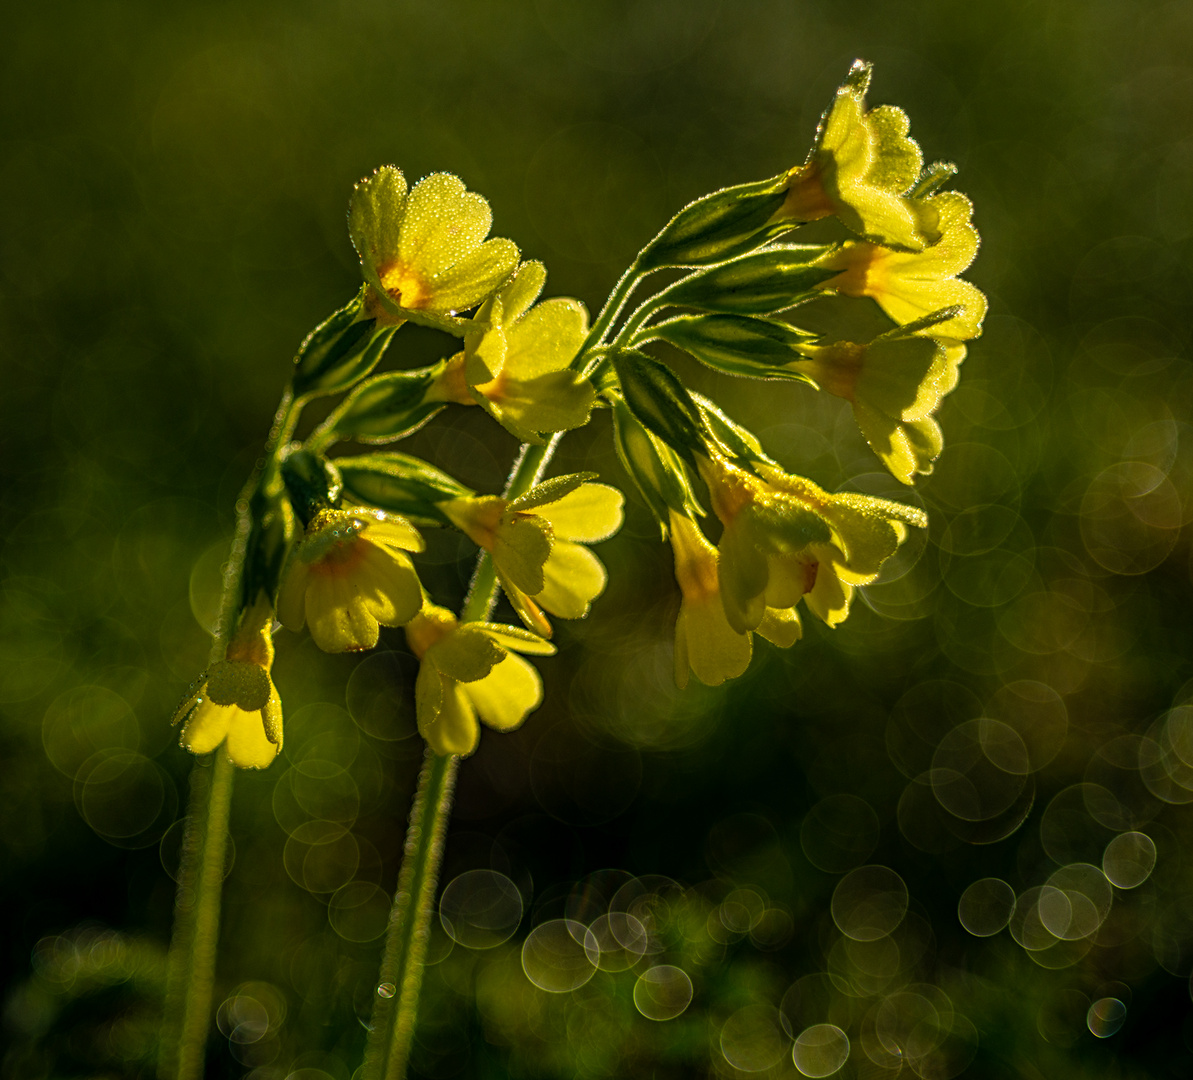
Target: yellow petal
{"x": 507, "y": 695}
{"x": 528, "y": 611}
{"x": 391, "y": 530}
{"x": 465, "y": 655}
{"x": 442, "y": 223}
{"x": 523, "y": 289}
{"x": 555, "y": 401}
{"x": 337, "y": 622}
{"x": 546, "y": 338}
{"x": 573, "y": 577}
{"x": 248, "y": 746}
{"x": 475, "y": 276}
{"x": 521, "y": 546}
{"x": 830, "y": 597}
{"x": 707, "y": 644}
{"x": 781, "y": 627}
{"x": 453, "y": 730}
{"x": 207, "y": 726}
{"x": 387, "y": 585}
{"x": 590, "y": 513}
{"x": 743, "y": 572}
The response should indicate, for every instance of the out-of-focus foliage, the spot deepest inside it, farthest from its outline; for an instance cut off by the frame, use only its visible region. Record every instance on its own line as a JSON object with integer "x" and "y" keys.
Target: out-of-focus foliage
{"x": 951, "y": 833}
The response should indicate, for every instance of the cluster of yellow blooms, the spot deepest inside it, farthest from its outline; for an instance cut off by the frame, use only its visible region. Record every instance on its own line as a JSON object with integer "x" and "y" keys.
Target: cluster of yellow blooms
{"x": 537, "y": 369}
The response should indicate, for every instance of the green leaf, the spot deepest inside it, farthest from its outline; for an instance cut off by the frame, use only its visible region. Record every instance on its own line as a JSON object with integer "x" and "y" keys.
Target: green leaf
{"x": 735, "y": 344}
{"x": 758, "y": 284}
{"x": 660, "y": 401}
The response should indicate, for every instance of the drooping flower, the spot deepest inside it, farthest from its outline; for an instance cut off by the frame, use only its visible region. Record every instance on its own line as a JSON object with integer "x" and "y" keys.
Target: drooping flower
{"x": 894, "y": 384}
{"x": 537, "y": 544}
{"x": 423, "y": 251}
{"x": 234, "y": 702}
{"x": 785, "y": 538}
{"x": 348, "y": 574}
{"x": 468, "y": 671}
{"x": 861, "y": 168}
{"x": 911, "y": 285}
{"x": 705, "y": 644}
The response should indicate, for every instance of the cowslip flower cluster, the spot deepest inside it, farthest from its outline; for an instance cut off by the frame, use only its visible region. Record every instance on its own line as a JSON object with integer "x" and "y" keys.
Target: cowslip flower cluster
{"x": 539, "y": 370}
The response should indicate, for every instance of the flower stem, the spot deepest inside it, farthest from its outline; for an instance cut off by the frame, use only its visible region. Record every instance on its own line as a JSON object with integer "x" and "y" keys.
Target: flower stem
{"x": 190, "y": 975}
{"x": 395, "y": 1006}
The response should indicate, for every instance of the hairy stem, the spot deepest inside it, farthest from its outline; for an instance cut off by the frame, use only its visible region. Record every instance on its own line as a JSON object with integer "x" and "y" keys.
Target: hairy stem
{"x": 395, "y": 1007}
{"x": 190, "y": 975}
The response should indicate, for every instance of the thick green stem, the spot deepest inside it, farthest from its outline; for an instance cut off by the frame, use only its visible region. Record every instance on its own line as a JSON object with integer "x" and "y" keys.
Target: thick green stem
{"x": 395, "y": 1008}
{"x": 190, "y": 977}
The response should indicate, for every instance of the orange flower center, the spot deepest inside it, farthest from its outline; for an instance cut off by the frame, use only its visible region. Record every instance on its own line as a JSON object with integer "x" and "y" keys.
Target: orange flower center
{"x": 807, "y": 200}
{"x": 341, "y": 557}
{"x": 405, "y": 287}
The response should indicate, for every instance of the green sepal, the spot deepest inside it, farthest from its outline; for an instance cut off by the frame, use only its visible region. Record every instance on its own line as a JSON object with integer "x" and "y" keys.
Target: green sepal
{"x": 924, "y": 322}
{"x": 550, "y": 491}
{"x": 736, "y": 441}
{"x": 660, "y": 401}
{"x": 758, "y": 284}
{"x": 719, "y": 226}
{"x": 341, "y": 350}
{"x": 735, "y": 344}
{"x": 273, "y": 527}
{"x": 401, "y": 483}
{"x": 932, "y": 179}
{"x": 657, "y": 471}
{"x": 382, "y": 409}
{"x": 312, "y": 482}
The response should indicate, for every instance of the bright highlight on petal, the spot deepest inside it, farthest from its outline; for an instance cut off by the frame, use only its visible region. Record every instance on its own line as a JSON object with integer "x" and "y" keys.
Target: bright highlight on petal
{"x": 348, "y": 576}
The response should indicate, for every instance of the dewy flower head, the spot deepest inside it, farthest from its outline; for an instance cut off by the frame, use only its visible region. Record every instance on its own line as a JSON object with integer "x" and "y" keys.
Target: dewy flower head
{"x": 894, "y": 384}
{"x": 705, "y": 643}
{"x": 349, "y": 573}
{"x": 860, "y": 169}
{"x": 235, "y": 701}
{"x": 516, "y": 364}
{"x": 785, "y": 538}
{"x": 537, "y": 544}
{"x": 467, "y": 670}
{"x": 911, "y": 285}
{"x": 423, "y": 251}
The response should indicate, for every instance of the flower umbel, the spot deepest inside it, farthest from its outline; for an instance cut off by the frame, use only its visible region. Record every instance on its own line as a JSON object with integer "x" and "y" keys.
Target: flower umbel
{"x": 423, "y": 251}
{"x": 468, "y": 671}
{"x": 860, "y": 169}
{"x": 705, "y": 643}
{"x": 235, "y": 702}
{"x": 537, "y": 544}
{"x": 348, "y": 574}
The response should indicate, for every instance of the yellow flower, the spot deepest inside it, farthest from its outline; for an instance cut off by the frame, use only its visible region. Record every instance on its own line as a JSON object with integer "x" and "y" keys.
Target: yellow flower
{"x": 349, "y": 573}
{"x": 537, "y": 544}
{"x": 468, "y": 671}
{"x": 423, "y": 251}
{"x": 894, "y": 384}
{"x": 235, "y": 702}
{"x": 705, "y": 643}
{"x": 515, "y": 364}
{"x": 910, "y": 285}
{"x": 860, "y": 169}
{"x": 785, "y": 539}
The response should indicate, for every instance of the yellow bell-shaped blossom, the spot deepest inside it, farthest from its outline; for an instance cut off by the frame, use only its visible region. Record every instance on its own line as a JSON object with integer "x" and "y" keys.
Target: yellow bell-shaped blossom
{"x": 515, "y": 364}
{"x": 860, "y": 169}
{"x": 349, "y": 573}
{"x": 537, "y": 544}
{"x": 705, "y": 644}
{"x": 911, "y": 285}
{"x": 894, "y": 384}
{"x": 468, "y": 671}
{"x": 785, "y": 539}
{"x": 235, "y": 702}
{"x": 423, "y": 251}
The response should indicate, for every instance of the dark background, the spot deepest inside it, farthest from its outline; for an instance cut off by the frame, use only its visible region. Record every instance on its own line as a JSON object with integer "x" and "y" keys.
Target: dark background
{"x": 173, "y": 186}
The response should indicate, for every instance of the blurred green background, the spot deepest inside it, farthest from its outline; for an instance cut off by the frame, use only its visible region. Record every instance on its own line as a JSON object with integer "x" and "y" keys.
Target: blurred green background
{"x": 173, "y": 185}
